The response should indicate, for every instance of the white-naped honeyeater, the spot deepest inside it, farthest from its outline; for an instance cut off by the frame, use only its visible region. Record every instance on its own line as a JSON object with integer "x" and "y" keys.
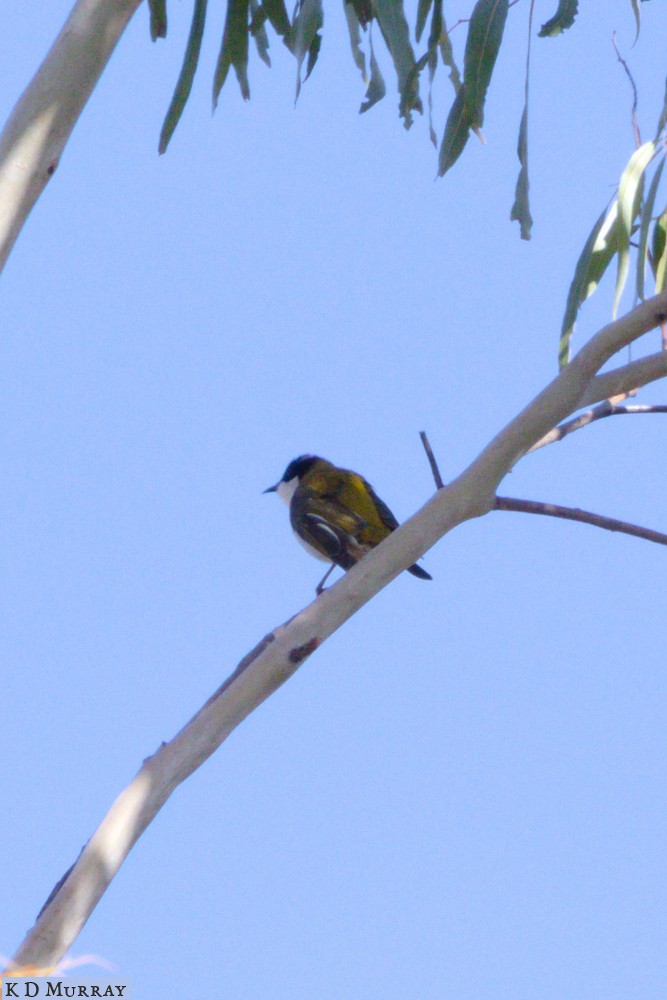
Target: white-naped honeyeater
{"x": 335, "y": 514}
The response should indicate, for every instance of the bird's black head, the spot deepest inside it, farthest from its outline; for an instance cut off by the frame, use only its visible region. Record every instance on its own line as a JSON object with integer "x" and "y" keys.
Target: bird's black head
{"x": 298, "y": 467}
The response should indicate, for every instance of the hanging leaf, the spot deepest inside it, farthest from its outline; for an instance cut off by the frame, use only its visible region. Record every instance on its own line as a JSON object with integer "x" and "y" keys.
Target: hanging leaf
{"x": 635, "y": 11}
{"x": 158, "y": 18}
{"x": 629, "y": 200}
{"x": 646, "y": 216}
{"x": 258, "y": 31}
{"x": 599, "y": 249}
{"x": 662, "y": 120}
{"x": 562, "y": 19}
{"x": 437, "y": 27}
{"x": 308, "y": 21}
{"x": 313, "y": 53}
{"x": 188, "y": 69}
{"x": 485, "y": 33}
{"x": 376, "y": 88}
{"x": 447, "y": 56}
{"x": 457, "y": 131}
{"x": 659, "y": 251}
{"x": 521, "y": 208}
{"x": 355, "y": 40}
{"x": 277, "y": 15}
{"x": 234, "y": 50}
{"x": 394, "y": 28}
{"x": 422, "y": 15}
{"x": 364, "y": 11}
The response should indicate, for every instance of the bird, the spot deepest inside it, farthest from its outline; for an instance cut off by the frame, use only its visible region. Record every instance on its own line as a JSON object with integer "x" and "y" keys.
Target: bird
{"x": 335, "y": 513}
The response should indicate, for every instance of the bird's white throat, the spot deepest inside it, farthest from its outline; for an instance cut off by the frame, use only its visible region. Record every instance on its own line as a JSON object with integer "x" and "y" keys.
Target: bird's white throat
{"x": 286, "y": 490}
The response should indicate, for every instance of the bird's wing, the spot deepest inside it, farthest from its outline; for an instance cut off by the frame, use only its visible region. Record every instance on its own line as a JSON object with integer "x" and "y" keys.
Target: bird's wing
{"x": 328, "y": 525}
{"x": 386, "y": 515}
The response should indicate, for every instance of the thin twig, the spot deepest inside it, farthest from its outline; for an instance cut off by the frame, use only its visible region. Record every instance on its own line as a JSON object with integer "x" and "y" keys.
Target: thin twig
{"x": 635, "y": 125}
{"x": 576, "y": 514}
{"x": 439, "y": 483}
{"x": 606, "y": 409}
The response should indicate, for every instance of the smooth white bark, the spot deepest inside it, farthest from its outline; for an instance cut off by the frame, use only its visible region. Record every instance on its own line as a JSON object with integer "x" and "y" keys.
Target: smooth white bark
{"x": 37, "y": 131}
{"x": 280, "y": 654}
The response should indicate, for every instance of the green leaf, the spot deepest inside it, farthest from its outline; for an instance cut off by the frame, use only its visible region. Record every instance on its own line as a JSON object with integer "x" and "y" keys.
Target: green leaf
{"x": 234, "y": 50}
{"x": 158, "y": 18}
{"x": 422, "y": 14}
{"x": 364, "y": 11}
{"x": 447, "y": 56}
{"x": 662, "y": 120}
{"x": 562, "y": 19}
{"x": 277, "y": 15}
{"x": 313, "y": 53}
{"x": 188, "y": 69}
{"x": 635, "y": 11}
{"x": 646, "y": 216}
{"x": 599, "y": 249}
{"x": 437, "y": 27}
{"x": 629, "y": 200}
{"x": 308, "y": 21}
{"x": 258, "y": 31}
{"x": 457, "y": 131}
{"x": 355, "y": 40}
{"x": 521, "y": 208}
{"x": 660, "y": 252}
{"x": 376, "y": 88}
{"x": 394, "y": 28}
{"x": 485, "y": 33}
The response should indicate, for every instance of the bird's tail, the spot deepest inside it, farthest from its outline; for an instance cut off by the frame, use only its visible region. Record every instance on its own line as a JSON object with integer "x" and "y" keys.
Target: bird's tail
{"x": 418, "y": 571}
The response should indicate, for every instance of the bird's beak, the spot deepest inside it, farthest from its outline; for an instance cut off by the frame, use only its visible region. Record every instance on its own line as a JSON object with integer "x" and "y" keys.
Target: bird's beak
{"x": 271, "y": 489}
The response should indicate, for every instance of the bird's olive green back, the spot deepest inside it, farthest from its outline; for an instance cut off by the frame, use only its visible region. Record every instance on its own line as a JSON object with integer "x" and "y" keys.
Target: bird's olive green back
{"x": 352, "y": 494}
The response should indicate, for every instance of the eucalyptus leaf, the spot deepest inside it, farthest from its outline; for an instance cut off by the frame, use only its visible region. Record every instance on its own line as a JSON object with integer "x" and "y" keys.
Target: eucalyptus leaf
{"x": 662, "y": 120}
{"x": 562, "y": 19}
{"x": 186, "y": 76}
{"x": 457, "y": 131}
{"x": 598, "y": 251}
{"x": 258, "y": 31}
{"x": 394, "y": 28}
{"x": 363, "y": 10}
{"x": 376, "y": 87}
{"x": 629, "y": 200}
{"x": 423, "y": 9}
{"x": 660, "y": 252}
{"x": 308, "y": 21}
{"x": 485, "y": 34}
{"x": 234, "y": 50}
{"x": 646, "y": 216}
{"x": 447, "y": 56}
{"x": 158, "y": 18}
{"x": 521, "y": 208}
{"x": 277, "y": 15}
{"x": 353, "y": 27}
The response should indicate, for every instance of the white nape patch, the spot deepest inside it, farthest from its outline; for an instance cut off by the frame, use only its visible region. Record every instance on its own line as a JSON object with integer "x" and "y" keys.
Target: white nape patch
{"x": 287, "y": 490}
{"x": 309, "y": 548}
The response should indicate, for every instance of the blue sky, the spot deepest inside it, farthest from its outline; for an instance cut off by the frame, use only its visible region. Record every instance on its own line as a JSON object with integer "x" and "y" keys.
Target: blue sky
{"x": 462, "y": 793}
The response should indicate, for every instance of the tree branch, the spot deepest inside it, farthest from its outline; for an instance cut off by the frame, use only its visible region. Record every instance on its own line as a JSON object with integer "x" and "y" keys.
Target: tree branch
{"x": 606, "y": 409}
{"x": 280, "y": 654}
{"x": 37, "y": 131}
{"x": 624, "y": 380}
{"x": 576, "y": 514}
